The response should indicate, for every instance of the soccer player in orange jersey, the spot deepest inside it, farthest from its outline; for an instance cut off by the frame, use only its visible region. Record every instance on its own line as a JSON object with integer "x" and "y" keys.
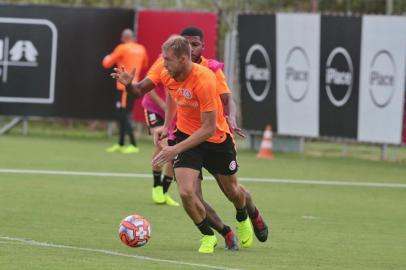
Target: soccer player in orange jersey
{"x": 231, "y": 242}
{"x": 203, "y": 137}
{"x": 130, "y": 55}
{"x": 195, "y": 37}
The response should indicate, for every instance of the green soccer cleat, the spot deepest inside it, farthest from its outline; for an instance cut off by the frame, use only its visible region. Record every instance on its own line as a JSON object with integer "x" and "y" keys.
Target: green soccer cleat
{"x": 170, "y": 201}
{"x": 245, "y": 233}
{"x": 114, "y": 148}
{"x": 131, "y": 149}
{"x": 207, "y": 244}
{"x": 158, "y": 195}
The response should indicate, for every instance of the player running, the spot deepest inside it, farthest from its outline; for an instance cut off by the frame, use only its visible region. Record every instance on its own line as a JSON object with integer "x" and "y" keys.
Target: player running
{"x": 177, "y": 62}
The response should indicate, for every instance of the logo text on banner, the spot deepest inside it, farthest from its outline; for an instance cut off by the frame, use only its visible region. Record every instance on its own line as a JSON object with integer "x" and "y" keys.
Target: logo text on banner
{"x": 258, "y": 77}
{"x": 297, "y": 74}
{"x": 382, "y": 78}
{"x": 339, "y": 82}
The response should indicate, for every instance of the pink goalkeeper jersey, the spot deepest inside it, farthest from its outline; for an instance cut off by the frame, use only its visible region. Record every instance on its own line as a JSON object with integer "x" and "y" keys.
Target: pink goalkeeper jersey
{"x": 149, "y": 104}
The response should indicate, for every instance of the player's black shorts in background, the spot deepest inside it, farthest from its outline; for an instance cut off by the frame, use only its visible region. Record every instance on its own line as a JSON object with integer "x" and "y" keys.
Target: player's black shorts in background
{"x": 217, "y": 158}
{"x": 171, "y": 142}
{"x": 153, "y": 119}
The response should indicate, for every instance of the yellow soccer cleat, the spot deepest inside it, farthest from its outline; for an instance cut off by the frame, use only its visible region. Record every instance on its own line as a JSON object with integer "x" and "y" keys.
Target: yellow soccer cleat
{"x": 207, "y": 244}
{"x": 158, "y": 195}
{"x": 170, "y": 201}
{"x": 245, "y": 233}
{"x": 114, "y": 148}
{"x": 131, "y": 149}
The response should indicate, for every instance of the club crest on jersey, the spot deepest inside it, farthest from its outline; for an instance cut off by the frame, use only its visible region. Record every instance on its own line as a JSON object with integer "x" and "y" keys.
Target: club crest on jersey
{"x": 186, "y": 93}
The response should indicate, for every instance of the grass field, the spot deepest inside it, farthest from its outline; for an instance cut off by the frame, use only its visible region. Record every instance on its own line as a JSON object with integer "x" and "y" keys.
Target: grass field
{"x": 73, "y": 219}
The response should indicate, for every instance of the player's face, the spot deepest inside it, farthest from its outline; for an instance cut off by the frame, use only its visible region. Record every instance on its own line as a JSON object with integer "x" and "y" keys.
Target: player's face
{"x": 173, "y": 64}
{"x": 197, "y": 47}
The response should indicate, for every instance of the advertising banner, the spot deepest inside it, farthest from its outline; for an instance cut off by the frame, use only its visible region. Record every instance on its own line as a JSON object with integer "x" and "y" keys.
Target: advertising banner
{"x": 50, "y": 60}
{"x": 152, "y": 34}
{"x": 339, "y": 75}
{"x": 257, "y": 51}
{"x": 382, "y": 82}
{"x": 298, "y": 51}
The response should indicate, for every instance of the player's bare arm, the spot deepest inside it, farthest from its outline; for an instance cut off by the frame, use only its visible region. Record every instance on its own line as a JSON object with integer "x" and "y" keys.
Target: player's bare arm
{"x": 170, "y": 111}
{"x": 135, "y": 89}
{"x": 207, "y": 130}
{"x": 230, "y": 110}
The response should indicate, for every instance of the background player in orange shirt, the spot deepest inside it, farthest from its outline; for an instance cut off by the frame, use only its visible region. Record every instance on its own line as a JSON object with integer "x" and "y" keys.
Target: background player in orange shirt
{"x": 130, "y": 55}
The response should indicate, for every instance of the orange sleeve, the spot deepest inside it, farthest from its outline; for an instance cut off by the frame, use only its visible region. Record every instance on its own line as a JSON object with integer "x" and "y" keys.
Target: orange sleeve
{"x": 146, "y": 60}
{"x": 206, "y": 92}
{"x": 111, "y": 59}
{"x": 154, "y": 72}
{"x": 221, "y": 83}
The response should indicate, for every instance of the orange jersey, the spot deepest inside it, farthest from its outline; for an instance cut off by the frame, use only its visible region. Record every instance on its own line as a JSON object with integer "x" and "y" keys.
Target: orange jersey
{"x": 130, "y": 55}
{"x": 193, "y": 96}
{"x": 155, "y": 70}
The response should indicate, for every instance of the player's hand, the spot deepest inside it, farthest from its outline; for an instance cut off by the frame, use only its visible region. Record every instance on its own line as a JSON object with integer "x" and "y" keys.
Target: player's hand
{"x": 232, "y": 123}
{"x": 123, "y": 76}
{"x": 167, "y": 154}
{"x": 160, "y": 133}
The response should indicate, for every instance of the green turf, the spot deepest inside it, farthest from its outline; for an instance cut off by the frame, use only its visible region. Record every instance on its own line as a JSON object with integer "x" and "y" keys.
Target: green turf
{"x": 314, "y": 226}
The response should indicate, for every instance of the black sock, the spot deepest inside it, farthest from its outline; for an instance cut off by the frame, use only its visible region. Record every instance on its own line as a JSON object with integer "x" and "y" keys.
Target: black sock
{"x": 241, "y": 214}
{"x": 226, "y": 229}
{"x": 157, "y": 178}
{"x": 254, "y": 215}
{"x": 166, "y": 182}
{"x": 204, "y": 227}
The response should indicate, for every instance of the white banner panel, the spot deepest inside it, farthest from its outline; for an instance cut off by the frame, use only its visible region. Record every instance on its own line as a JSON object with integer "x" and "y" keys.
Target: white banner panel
{"x": 382, "y": 83}
{"x": 297, "y": 61}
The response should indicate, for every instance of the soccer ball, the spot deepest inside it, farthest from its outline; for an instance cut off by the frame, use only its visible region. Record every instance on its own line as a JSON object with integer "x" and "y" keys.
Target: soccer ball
{"x": 134, "y": 231}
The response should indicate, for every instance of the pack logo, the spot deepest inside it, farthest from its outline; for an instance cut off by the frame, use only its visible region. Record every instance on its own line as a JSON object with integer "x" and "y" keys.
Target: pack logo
{"x": 297, "y": 74}
{"x": 258, "y": 72}
{"x": 382, "y": 78}
{"x": 339, "y": 76}
{"x": 27, "y": 50}
{"x": 186, "y": 93}
{"x": 22, "y": 54}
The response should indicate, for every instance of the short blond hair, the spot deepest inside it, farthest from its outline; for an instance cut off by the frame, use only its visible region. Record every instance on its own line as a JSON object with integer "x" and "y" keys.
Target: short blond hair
{"x": 178, "y": 44}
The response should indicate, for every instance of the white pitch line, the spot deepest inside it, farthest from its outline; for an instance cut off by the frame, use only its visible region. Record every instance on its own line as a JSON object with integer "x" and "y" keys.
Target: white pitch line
{"x": 242, "y": 179}
{"x": 110, "y": 252}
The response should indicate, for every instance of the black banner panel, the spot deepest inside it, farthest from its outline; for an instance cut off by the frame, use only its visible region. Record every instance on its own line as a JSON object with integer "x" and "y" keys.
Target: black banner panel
{"x": 50, "y": 60}
{"x": 257, "y": 70}
{"x": 339, "y": 75}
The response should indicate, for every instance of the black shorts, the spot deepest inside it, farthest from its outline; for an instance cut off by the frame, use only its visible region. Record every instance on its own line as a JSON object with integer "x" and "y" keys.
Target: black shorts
{"x": 217, "y": 158}
{"x": 171, "y": 142}
{"x": 153, "y": 119}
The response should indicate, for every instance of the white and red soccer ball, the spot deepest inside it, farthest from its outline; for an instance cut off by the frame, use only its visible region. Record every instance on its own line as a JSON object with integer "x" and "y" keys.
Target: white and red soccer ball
{"x": 134, "y": 231}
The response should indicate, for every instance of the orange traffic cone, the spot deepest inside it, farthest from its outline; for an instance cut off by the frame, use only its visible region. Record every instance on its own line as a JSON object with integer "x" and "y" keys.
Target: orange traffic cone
{"x": 265, "y": 150}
